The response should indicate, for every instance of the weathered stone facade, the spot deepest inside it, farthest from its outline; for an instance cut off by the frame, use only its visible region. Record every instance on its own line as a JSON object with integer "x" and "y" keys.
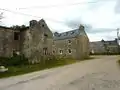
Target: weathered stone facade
{"x": 105, "y": 47}
{"x": 8, "y": 41}
{"x": 37, "y": 42}
{"x": 72, "y": 44}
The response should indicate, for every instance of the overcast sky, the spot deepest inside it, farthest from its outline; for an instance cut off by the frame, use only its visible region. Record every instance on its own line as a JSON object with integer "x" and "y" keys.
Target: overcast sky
{"x": 101, "y": 18}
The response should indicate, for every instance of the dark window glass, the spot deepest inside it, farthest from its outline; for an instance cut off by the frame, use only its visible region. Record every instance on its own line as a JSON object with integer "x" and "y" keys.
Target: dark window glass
{"x": 43, "y": 25}
{"x": 16, "y": 35}
{"x": 61, "y": 51}
{"x": 69, "y": 50}
{"x": 69, "y": 41}
{"x": 53, "y": 51}
{"x": 45, "y": 35}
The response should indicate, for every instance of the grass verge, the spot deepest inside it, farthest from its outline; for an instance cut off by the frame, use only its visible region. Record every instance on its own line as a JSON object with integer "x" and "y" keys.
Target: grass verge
{"x": 23, "y": 69}
{"x": 118, "y": 62}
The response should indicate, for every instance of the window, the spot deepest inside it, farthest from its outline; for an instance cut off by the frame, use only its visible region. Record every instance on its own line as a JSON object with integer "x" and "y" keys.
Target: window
{"x": 69, "y": 51}
{"x": 45, "y": 51}
{"x": 53, "y": 51}
{"x": 69, "y": 41}
{"x": 15, "y": 53}
{"x": 45, "y": 35}
{"x": 61, "y": 51}
{"x": 72, "y": 32}
{"x": 16, "y": 36}
{"x": 43, "y": 25}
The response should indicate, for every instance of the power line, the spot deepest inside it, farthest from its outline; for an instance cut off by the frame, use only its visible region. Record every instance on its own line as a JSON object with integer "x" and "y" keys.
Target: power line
{"x": 52, "y": 6}
{"x": 30, "y": 15}
{"x": 46, "y": 7}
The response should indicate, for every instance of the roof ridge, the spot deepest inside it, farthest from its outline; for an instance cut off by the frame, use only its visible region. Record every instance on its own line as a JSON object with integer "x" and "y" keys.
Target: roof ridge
{"x": 69, "y": 31}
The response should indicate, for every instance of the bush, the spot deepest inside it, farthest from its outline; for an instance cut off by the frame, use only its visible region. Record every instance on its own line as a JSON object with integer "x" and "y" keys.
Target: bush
{"x": 14, "y": 61}
{"x": 105, "y": 54}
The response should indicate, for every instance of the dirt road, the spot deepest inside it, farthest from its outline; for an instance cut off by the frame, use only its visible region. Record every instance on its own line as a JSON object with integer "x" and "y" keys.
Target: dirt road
{"x": 102, "y": 73}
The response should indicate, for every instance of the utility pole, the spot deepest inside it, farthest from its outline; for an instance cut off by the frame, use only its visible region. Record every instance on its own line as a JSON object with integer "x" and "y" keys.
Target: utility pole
{"x": 118, "y": 35}
{"x": 118, "y": 39}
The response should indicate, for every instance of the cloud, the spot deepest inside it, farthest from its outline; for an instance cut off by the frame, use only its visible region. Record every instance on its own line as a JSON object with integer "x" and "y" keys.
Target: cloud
{"x": 98, "y": 18}
{"x": 75, "y": 23}
{"x": 102, "y": 35}
{"x": 117, "y": 7}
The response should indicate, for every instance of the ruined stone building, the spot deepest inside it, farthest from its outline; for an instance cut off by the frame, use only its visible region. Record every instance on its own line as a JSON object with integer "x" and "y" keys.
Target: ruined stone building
{"x": 9, "y": 41}
{"x": 37, "y": 41}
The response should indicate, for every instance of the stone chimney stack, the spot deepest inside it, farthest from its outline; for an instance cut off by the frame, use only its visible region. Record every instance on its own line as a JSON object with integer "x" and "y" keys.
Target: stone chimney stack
{"x": 33, "y": 23}
{"x": 81, "y": 27}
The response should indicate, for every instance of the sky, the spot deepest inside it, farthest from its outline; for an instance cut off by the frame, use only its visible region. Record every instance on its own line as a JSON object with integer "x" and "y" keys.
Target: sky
{"x": 100, "y": 18}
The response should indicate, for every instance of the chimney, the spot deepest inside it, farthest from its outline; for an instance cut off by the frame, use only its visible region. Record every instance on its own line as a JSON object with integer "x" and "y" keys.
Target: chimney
{"x": 32, "y": 23}
{"x": 81, "y": 27}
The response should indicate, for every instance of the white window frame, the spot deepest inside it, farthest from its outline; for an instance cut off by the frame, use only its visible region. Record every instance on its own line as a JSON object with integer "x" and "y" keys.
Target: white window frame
{"x": 61, "y": 52}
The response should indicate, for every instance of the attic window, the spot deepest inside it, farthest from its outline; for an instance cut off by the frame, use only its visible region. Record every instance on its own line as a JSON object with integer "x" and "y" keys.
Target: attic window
{"x": 72, "y": 32}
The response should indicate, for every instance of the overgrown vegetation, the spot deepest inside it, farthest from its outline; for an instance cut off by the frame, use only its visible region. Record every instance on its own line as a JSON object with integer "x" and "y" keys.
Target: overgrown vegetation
{"x": 17, "y": 27}
{"x": 13, "y": 61}
{"x": 105, "y": 54}
{"x": 19, "y": 64}
{"x": 118, "y": 62}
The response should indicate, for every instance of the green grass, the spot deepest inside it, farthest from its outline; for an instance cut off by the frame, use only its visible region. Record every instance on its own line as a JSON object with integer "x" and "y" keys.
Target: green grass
{"x": 118, "y": 62}
{"x": 18, "y": 70}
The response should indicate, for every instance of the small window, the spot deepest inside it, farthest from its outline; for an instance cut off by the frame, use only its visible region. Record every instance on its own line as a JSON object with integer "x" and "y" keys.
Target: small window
{"x": 15, "y": 53}
{"x": 61, "y": 51}
{"x": 45, "y": 51}
{"x": 72, "y": 32}
{"x": 69, "y": 51}
{"x": 53, "y": 51}
{"x": 69, "y": 41}
{"x": 16, "y": 36}
{"x": 45, "y": 35}
{"x": 43, "y": 25}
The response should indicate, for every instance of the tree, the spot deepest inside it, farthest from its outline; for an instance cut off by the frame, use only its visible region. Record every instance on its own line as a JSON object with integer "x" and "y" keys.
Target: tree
{"x": 17, "y": 27}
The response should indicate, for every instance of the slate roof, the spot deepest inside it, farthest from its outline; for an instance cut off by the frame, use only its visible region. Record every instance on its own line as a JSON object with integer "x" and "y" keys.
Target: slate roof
{"x": 111, "y": 42}
{"x": 69, "y": 34}
{"x": 98, "y": 43}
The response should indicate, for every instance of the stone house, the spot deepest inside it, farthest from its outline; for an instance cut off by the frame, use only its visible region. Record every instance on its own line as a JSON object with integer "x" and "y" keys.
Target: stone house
{"x": 104, "y": 47}
{"x": 9, "y": 41}
{"x": 71, "y": 44}
{"x": 97, "y": 47}
{"x": 37, "y": 42}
